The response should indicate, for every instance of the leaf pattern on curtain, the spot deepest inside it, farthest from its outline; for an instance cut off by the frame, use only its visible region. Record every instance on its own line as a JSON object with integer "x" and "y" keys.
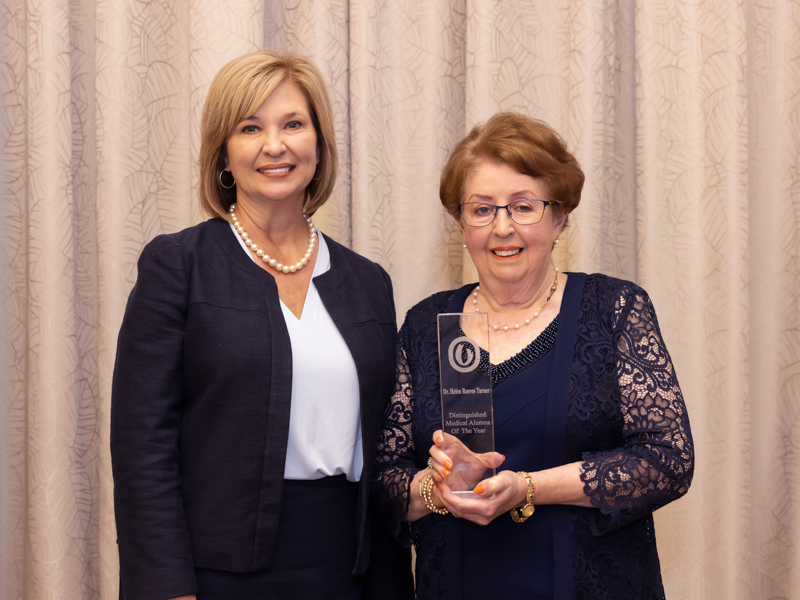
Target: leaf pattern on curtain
{"x": 685, "y": 115}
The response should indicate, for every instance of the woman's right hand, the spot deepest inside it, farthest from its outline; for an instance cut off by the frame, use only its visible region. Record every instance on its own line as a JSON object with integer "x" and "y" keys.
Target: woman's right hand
{"x": 452, "y": 461}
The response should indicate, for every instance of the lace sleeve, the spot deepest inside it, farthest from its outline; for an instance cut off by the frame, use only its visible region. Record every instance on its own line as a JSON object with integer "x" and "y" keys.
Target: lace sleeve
{"x": 656, "y": 461}
{"x": 396, "y": 463}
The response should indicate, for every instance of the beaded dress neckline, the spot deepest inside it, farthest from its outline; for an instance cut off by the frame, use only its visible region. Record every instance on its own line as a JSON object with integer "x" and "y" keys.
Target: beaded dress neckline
{"x": 531, "y": 353}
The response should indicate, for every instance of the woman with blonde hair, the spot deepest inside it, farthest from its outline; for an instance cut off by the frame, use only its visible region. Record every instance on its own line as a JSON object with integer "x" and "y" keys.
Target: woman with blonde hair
{"x": 254, "y": 363}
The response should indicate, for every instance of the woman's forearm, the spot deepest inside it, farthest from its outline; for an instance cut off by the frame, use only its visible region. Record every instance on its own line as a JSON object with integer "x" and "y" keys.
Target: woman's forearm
{"x": 560, "y": 485}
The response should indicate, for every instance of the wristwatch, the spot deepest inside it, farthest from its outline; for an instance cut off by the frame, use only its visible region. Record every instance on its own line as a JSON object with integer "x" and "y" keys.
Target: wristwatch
{"x": 521, "y": 514}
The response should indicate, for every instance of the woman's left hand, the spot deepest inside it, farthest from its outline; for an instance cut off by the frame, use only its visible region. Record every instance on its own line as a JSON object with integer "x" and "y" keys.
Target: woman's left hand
{"x": 498, "y": 495}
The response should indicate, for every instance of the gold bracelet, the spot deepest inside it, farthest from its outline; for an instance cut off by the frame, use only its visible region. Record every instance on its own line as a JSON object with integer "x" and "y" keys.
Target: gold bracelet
{"x": 521, "y": 514}
{"x": 425, "y": 487}
{"x": 423, "y": 493}
{"x": 421, "y": 481}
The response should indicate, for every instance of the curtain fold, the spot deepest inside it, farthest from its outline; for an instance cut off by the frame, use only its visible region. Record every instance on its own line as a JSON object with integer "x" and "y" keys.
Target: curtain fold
{"x": 54, "y": 439}
{"x": 685, "y": 115}
{"x": 773, "y": 79}
{"x": 13, "y": 340}
{"x": 693, "y": 244}
{"x": 406, "y": 98}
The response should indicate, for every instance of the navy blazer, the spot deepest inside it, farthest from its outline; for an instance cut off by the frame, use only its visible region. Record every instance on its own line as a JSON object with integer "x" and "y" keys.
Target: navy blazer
{"x": 201, "y": 398}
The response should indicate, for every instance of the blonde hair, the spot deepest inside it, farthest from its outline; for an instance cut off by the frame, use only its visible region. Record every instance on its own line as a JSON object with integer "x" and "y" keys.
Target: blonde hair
{"x": 530, "y": 146}
{"x": 236, "y": 92}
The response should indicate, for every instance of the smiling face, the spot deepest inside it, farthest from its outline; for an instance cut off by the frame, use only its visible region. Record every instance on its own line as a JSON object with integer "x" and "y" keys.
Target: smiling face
{"x": 505, "y": 252}
{"x": 273, "y": 153}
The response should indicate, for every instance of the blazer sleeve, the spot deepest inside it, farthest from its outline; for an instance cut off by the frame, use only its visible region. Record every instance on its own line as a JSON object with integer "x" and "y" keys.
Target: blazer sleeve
{"x": 154, "y": 546}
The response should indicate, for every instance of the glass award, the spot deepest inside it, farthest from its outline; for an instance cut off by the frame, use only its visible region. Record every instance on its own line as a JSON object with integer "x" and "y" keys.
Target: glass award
{"x": 466, "y": 392}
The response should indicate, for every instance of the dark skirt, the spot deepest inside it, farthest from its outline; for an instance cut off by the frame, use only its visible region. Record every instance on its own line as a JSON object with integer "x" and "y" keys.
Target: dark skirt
{"x": 315, "y": 549}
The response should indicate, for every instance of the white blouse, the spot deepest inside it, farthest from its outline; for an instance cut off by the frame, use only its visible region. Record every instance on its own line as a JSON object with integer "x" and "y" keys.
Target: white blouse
{"x": 325, "y": 418}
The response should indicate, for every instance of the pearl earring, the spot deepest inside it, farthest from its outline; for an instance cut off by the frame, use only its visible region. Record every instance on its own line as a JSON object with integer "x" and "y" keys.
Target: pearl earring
{"x": 464, "y": 244}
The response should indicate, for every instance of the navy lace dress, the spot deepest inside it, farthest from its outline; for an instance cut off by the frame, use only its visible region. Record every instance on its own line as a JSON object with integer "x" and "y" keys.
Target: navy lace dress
{"x": 598, "y": 387}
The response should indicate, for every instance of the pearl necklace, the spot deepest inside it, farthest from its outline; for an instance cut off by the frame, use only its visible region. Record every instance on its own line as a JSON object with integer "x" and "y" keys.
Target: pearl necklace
{"x": 312, "y": 241}
{"x": 526, "y": 321}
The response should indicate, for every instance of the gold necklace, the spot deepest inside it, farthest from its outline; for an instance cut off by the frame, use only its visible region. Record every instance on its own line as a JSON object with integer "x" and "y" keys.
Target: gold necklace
{"x": 312, "y": 241}
{"x": 526, "y": 321}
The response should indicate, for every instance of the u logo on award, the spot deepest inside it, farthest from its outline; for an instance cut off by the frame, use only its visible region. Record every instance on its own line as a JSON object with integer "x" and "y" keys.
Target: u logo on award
{"x": 463, "y": 354}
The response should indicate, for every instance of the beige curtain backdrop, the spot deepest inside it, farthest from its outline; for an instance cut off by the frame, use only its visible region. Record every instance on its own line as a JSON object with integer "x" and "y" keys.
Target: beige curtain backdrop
{"x": 685, "y": 115}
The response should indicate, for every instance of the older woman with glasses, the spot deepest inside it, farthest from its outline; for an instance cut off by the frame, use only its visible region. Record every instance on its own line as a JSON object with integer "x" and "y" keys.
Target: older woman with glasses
{"x": 590, "y": 424}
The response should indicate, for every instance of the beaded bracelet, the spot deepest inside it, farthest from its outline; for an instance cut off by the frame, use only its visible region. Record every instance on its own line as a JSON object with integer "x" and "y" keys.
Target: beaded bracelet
{"x": 419, "y": 488}
{"x": 424, "y": 488}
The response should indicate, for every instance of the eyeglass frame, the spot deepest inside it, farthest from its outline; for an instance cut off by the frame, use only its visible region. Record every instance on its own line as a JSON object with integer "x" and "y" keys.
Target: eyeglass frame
{"x": 497, "y": 207}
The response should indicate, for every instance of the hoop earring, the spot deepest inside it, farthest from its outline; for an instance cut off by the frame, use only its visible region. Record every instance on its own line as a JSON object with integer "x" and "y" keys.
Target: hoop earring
{"x": 227, "y": 187}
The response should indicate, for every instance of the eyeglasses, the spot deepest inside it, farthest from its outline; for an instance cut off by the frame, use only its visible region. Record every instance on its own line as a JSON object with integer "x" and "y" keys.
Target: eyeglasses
{"x": 522, "y": 212}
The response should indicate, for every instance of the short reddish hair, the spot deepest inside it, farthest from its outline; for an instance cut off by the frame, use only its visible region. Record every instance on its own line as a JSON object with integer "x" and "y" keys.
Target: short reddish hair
{"x": 530, "y": 146}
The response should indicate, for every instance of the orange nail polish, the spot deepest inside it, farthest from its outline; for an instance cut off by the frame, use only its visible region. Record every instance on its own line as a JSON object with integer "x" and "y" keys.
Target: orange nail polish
{"x": 438, "y": 477}
{"x": 439, "y": 440}
{"x": 445, "y": 472}
{"x": 448, "y": 464}
{"x": 478, "y": 489}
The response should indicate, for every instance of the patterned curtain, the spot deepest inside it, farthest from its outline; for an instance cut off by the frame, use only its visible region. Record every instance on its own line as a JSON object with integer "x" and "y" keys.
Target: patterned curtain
{"x": 685, "y": 115}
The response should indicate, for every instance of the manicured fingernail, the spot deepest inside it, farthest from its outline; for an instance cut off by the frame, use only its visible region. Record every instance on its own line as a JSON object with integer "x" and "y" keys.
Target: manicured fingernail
{"x": 438, "y": 477}
{"x": 438, "y": 485}
{"x": 439, "y": 440}
{"x": 445, "y": 472}
{"x": 448, "y": 464}
{"x": 478, "y": 489}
